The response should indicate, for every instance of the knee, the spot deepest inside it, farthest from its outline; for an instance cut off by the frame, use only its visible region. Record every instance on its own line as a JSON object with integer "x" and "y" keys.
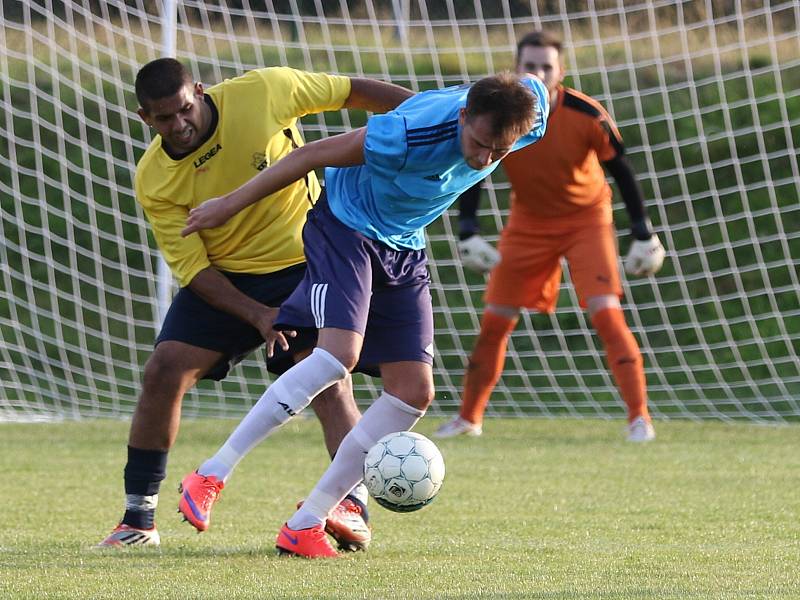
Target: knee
{"x": 497, "y": 324}
{"x": 348, "y": 360}
{"x": 491, "y": 338}
{"x": 163, "y": 371}
{"x": 344, "y": 346}
{"x": 613, "y": 330}
{"x": 418, "y": 394}
{"x": 423, "y": 396}
{"x": 595, "y": 304}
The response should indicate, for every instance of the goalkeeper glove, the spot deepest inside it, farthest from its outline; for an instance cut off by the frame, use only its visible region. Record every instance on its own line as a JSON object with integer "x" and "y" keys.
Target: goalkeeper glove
{"x": 477, "y": 254}
{"x": 645, "y": 257}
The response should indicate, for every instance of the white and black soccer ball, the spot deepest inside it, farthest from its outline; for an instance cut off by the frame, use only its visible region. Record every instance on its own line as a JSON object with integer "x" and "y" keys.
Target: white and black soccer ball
{"x": 404, "y": 471}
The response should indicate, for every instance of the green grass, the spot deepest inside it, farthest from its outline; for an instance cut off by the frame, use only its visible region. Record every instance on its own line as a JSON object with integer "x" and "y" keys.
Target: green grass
{"x": 534, "y": 509}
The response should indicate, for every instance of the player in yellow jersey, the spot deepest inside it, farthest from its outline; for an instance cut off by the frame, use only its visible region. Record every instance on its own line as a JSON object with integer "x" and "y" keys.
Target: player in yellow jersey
{"x": 232, "y": 278}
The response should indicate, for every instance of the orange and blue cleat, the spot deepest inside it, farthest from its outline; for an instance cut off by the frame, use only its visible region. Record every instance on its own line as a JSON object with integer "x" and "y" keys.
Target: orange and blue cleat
{"x": 198, "y": 494}
{"x": 308, "y": 543}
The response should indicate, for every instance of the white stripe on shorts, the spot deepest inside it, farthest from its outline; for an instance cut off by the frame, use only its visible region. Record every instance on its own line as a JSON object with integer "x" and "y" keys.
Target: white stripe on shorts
{"x": 318, "y": 292}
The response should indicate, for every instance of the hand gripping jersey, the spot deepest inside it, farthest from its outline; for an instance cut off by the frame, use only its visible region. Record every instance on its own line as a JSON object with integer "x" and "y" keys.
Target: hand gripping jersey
{"x": 254, "y": 126}
{"x": 414, "y": 168}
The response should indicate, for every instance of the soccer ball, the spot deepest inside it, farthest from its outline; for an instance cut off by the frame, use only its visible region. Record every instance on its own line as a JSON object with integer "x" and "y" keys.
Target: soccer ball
{"x": 403, "y": 471}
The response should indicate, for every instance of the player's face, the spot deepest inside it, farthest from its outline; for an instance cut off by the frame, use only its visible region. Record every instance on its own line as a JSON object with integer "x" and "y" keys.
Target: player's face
{"x": 181, "y": 119}
{"x": 479, "y": 144}
{"x": 545, "y": 63}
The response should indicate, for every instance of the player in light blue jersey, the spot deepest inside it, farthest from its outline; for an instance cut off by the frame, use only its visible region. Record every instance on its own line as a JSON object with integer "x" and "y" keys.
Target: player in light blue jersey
{"x": 366, "y": 287}
{"x": 414, "y": 156}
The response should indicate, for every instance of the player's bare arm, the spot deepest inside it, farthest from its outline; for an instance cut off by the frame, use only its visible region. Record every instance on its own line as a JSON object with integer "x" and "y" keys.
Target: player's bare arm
{"x": 375, "y": 96}
{"x": 213, "y": 287}
{"x": 345, "y": 150}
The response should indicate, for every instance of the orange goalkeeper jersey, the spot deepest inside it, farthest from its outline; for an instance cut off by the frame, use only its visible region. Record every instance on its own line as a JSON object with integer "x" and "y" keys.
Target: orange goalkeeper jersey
{"x": 560, "y": 177}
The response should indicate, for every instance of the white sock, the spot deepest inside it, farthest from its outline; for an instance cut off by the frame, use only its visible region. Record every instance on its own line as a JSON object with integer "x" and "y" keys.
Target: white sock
{"x": 287, "y": 396}
{"x": 386, "y": 415}
{"x": 360, "y": 493}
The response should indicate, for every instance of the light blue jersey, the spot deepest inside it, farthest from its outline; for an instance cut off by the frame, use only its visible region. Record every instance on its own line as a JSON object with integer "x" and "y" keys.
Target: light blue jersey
{"x": 414, "y": 168}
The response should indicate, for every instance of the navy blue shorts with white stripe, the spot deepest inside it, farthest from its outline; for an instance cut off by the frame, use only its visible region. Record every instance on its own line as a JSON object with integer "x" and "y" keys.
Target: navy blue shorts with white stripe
{"x": 355, "y": 283}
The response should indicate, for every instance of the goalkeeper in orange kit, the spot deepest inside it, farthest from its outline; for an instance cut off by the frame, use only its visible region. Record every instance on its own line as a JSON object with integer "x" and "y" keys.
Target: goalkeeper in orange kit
{"x": 560, "y": 207}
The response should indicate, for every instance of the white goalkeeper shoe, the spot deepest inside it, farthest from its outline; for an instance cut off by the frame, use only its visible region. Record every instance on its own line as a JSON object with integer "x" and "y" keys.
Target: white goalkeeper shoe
{"x": 641, "y": 430}
{"x": 125, "y": 535}
{"x": 477, "y": 254}
{"x": 458, "y": 426}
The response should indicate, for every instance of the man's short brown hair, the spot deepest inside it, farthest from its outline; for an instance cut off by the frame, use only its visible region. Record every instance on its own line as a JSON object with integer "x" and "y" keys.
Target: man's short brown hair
{"x": 539, "y": 39}
{"x": 510, "y": 104}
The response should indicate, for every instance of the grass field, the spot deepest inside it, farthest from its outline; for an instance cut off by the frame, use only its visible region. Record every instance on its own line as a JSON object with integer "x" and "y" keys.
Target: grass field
{"x": 535, "y": 509}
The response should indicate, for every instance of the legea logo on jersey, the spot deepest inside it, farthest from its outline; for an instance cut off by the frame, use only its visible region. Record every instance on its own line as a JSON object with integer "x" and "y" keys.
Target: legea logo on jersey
{"x": 207, "y": 156}
{"x": 260, "y": 161}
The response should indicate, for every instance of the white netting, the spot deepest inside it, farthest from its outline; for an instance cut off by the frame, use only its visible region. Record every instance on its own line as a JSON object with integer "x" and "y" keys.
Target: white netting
{"x": 706, "y": 95}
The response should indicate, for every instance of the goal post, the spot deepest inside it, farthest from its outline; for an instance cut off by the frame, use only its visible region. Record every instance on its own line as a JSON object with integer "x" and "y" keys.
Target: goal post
{"x": 169, "y": 22}
{"x": 706, "y": 96}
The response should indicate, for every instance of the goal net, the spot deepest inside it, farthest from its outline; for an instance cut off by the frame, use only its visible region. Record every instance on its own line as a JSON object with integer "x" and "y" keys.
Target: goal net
{"x": 706, "y": 95}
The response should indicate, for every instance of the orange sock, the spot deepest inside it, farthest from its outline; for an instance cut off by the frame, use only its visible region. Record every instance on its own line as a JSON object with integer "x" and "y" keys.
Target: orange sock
{"x": 624, "y": 359}
{"x": 485, "y": 365}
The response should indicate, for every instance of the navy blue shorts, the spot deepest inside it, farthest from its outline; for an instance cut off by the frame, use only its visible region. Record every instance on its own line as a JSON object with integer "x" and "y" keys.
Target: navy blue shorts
{"x": 193, "y": 321}
{"x": 355, "y": 283}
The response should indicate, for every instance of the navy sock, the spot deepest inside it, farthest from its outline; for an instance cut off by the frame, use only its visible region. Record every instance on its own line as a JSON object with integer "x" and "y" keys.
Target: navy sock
{"x": 144, "y": 472}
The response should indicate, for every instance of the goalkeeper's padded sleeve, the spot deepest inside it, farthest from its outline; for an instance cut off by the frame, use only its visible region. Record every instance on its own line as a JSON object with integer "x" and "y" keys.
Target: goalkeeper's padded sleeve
{"x": 623, "y": 174}
{"x": 468, "y": 212}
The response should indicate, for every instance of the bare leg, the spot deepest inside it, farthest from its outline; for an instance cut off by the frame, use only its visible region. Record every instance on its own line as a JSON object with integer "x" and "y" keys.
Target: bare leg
{"x": 173, "y": 368}
{"x": 337, "y": 412}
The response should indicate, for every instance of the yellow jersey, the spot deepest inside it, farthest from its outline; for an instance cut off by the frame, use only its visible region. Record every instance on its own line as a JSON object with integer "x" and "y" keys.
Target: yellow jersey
{"x": 254, "y": 124}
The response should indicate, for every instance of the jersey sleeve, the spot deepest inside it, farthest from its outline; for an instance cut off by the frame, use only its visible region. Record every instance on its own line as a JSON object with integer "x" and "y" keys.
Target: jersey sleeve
{"x": 542, "y": 112}
{"x": 386, "y": 145}
{"x": 294, "y": 94}
{"x": 186, "y": 257}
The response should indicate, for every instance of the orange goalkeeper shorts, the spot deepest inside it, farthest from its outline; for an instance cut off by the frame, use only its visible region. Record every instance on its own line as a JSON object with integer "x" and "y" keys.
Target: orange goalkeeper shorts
{"x": 529, "y": 272}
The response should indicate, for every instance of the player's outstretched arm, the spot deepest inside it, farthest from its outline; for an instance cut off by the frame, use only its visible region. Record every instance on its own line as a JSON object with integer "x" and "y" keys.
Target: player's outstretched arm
{"x": 646, "y": 254}
{"x": 374, "y": 95}
{"x": 345, "y": 150}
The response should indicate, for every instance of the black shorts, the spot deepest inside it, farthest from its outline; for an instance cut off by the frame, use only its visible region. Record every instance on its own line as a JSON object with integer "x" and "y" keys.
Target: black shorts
{"x": 193, "y": 321}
